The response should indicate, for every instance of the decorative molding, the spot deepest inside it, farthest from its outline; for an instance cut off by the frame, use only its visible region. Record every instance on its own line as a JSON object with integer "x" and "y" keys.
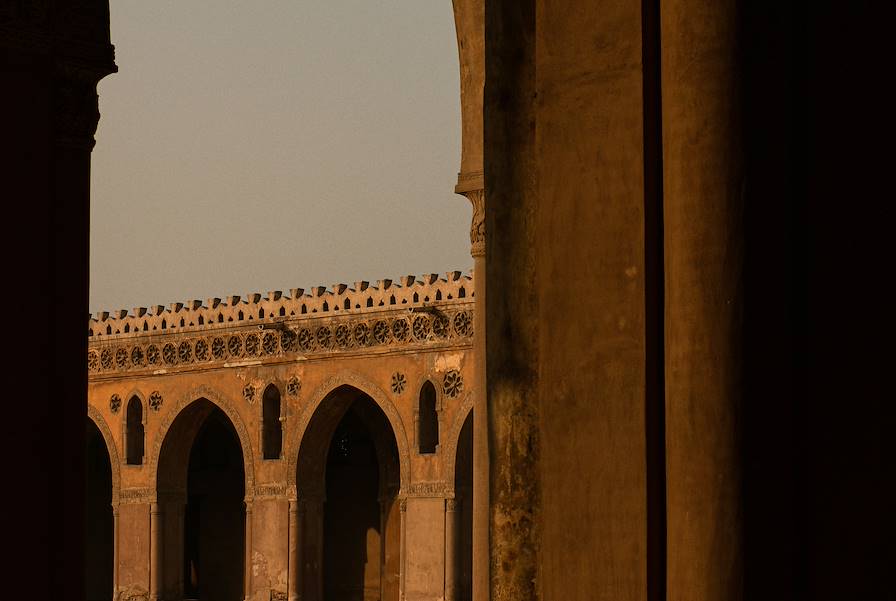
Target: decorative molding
{"x": 397, "y": 331}
{"x": 427, "y": 489}
{"x": 270, "y": 490}
{"x": 114, "y": 403}
{"x": 137, "y": 496}
{"x": 269, "y": 313}
{"x": 293, "y": 386}
{"x": 155, "y": 400}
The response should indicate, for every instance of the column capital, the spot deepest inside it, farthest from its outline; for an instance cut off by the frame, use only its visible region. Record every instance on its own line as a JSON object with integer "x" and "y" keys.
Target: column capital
{"x": 472, "y": 185}
{"x": 451, "y": 504}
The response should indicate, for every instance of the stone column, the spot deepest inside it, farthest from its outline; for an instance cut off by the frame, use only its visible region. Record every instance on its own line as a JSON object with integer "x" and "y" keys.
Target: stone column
{"x": 471, "y": 186}
{"x": 155, "y": 553}
{"x": 469, "y": 22}
{"x": 450, "y": 549}
{"x": 402, "y": 553}
{"x": 115, "y": 549}
{"x": 295, "y": 576}
{"x": 248, "y": 545}
{"x": 703, "y": 184}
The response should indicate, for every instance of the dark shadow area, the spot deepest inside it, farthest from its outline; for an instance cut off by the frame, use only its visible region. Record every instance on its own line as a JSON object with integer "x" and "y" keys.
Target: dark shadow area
{"x": 428, "y": 420}
{"x": 347, "y": 479}
{"x": 214, "y": 520}
{"x": 463, "y": 490}
{"x": 134, "y": 435}
{"x": 100, "y": 526}
{"x": 352, "y": 545}
{"x": 272, "y": 429}
{"x": 817, "y": 451}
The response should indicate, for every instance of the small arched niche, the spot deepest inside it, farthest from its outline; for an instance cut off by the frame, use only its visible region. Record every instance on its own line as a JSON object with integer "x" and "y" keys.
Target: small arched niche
{"x": 272, "y": 428}
{"x": 428, "y": 420}
{"x": 134, "y": 433}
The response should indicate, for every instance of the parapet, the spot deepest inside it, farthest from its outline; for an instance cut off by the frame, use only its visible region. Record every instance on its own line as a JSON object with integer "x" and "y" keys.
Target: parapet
{"x": 256, "y": 307}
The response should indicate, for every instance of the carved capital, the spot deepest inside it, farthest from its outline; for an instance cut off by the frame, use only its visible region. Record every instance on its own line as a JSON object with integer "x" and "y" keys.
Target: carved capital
{"x": 450, "y": 505}
{"x": 76, "y": 106}
{"x": 477, "y": 226}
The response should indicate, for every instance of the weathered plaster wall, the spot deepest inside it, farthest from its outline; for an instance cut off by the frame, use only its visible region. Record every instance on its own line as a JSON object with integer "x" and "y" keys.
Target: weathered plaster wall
{"x": 426, "y": 549}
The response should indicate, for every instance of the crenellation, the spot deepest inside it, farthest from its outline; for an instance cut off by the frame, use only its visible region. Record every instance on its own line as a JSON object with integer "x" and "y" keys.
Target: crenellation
{"x": 234, "y": 310}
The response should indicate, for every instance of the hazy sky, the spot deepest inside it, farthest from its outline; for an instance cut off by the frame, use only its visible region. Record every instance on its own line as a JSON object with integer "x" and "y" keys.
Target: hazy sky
{"x": 254, "y": 146}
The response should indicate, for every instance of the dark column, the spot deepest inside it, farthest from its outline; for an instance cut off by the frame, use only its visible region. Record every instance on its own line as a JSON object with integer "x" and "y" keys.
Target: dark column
{"x": 51, "y": 57}
{"x": 703, "y": 188}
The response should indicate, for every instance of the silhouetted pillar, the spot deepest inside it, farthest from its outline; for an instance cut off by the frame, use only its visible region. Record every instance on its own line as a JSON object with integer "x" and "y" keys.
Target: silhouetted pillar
{"x": 155, "y": 556}
{"x": 703, "y": 184}
{"x": 450, "y": 549}
{"x": 248, "y": 559}
{"x": 296, "y": 516}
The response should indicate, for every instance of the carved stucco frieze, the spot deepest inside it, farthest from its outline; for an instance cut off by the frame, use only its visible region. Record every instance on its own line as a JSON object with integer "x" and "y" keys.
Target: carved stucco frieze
{"x": 149, "y": 353}
{"x": 427, "y": 489}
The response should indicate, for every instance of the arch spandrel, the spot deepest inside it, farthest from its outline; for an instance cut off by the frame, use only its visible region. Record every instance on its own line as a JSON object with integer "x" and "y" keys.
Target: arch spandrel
{"x": 229, "y": 409}
{"x": 453, "y": 438}
{"x": 354, "y": 380}
{"x": 97, "y": 418}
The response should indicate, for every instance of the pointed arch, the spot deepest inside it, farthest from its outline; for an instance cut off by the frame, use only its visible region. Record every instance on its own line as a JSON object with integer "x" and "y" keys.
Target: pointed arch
{"x": 450, "y": 455}
{"x": 355, "y": 380}
{"x": 224, "y": 404}
{"x": 97, "y": 418}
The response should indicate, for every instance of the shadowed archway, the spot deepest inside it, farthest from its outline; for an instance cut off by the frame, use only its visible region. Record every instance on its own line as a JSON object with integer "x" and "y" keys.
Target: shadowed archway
{"x": 201, "y": 491}
{"x": 347, "y": 481}
{"x": 99, "y": 554}
{"x": 463, "y": 492}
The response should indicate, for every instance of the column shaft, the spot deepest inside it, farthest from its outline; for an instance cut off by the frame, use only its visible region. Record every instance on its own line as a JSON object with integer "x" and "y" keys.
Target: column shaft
{"x": 248, "y": 545}
{"x": 402, "y": 554}
{"x": 155, "y": 554}
{"x": 450, "y": 549}
{"x": 703, "y": 184}
{"x": 115, "y": 550}
{"x": 295, "y": 552}
{"x": 480, "y": 443}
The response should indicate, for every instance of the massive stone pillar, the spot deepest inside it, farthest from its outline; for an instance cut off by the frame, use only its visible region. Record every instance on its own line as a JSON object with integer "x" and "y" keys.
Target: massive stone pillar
{"x": 703, "y": 186}
{"x": 564, "y": 171}
{"x": 469, "y": 19}
{"x": 53, "y": 56}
